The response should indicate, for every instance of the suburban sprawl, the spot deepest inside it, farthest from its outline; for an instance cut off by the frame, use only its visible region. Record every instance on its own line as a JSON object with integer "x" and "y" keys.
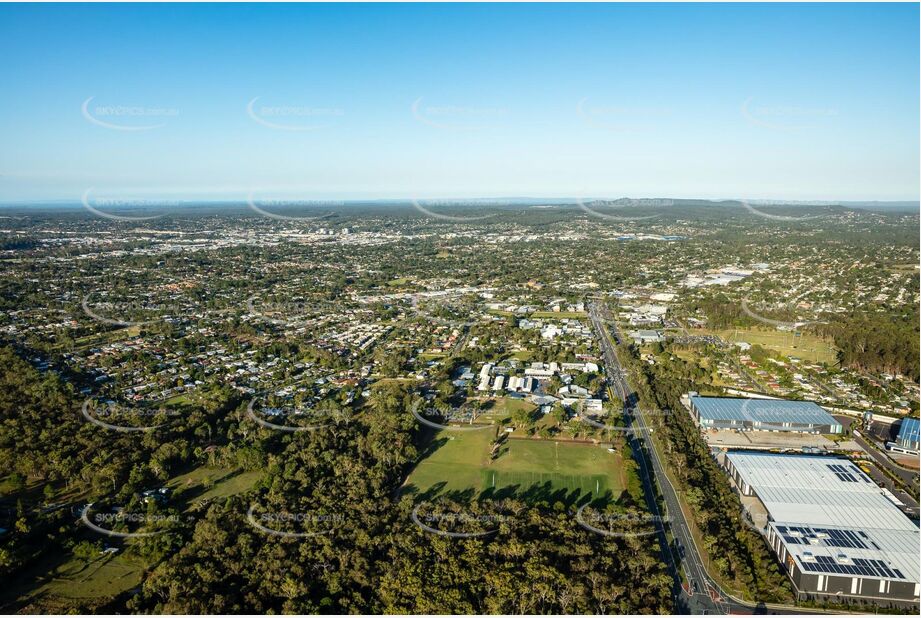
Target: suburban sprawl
{"x": 666, "y": 406}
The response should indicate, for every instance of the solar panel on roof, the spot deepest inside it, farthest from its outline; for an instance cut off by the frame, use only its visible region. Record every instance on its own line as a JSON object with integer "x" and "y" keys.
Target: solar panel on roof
{"x": 845, "y": 514}
{"x": 858, "y": 566}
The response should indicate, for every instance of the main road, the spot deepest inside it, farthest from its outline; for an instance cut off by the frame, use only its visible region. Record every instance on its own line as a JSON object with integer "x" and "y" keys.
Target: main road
{"x": 695, "y": 596}
{"x": 699, "y": 594}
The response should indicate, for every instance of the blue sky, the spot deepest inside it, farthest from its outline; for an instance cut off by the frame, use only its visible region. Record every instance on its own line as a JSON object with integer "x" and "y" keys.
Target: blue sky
{"x": 395, "y": 101}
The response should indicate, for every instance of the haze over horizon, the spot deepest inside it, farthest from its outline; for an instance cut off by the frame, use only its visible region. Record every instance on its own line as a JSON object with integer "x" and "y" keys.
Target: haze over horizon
{"x": 781, "y": 102}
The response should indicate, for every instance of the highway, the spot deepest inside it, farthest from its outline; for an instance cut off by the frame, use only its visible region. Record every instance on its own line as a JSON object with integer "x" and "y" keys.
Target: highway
{"x": 701, "y": 595}
{"x": 698, "y": 596}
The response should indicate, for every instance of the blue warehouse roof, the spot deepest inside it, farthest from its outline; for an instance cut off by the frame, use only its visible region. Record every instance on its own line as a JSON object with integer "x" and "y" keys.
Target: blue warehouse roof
{"x": 909, "y": 430}
{"x": 764, "y": 411}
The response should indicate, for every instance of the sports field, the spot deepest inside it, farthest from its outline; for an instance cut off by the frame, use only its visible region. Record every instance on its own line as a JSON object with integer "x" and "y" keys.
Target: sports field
{"x": 802, "y": 345}
{"x": 460, "y": 462}
{"x": 560, "y": 314}
{"x": 453, "y": 461}
{"x": 556, "y": 465}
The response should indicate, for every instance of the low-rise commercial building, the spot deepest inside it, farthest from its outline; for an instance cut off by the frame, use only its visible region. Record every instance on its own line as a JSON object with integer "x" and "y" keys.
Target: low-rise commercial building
{"x": 907, "y": 439}
{"x": 646, "y": 336}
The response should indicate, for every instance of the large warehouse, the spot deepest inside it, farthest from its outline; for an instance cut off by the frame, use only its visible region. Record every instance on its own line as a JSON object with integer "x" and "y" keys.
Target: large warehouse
{"x": 761, "y": 415}
{"x": 837, "y": 533}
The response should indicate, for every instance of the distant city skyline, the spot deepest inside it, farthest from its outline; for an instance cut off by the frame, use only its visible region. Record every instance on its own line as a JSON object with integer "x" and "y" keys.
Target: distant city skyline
{"x": 362, "y": 102}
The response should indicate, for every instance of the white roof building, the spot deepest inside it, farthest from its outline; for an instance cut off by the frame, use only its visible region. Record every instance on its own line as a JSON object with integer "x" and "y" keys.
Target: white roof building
{"x": 835, "y": 530}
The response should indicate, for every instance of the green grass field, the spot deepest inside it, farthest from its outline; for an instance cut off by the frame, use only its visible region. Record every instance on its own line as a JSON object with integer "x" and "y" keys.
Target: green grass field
{"x": 454, "y": 461}
{"x": 522, "y": 355}
{"x": 460, "y": 462}
{"x": 503, "y": 407}
{"x": 432, "y": 355}
{"x": 564, "y": 465}
{"x": 805, "y": 346}
{"x": 178, "y": 400}
{"x": 559, "y": 314}
{"x": 233, "y": 485}
{"x": 102, "y": 577}
{"x": 57, "y": 581}
{"x": 207, "y": 483}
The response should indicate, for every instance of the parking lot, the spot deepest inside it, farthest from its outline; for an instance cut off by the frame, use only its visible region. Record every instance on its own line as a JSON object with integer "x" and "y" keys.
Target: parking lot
{"x": 776, "y": 440}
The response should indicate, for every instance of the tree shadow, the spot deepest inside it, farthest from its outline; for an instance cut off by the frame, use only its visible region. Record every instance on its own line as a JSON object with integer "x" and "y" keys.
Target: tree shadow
{"x": 545, "y": 494}
{"x": 187, "y": 495}
{"x": 432, "y": 446}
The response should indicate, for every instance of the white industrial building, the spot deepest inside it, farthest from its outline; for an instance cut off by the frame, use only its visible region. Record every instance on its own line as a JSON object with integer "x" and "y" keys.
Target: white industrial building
{"x": 839, "y": 535}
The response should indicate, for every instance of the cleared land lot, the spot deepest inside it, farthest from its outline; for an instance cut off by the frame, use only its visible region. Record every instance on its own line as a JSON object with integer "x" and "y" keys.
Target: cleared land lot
{"x": 207, "y": 483}
{"x": 803, "y": 345}
{"x": 104, "y": 576}
{"x": 460, "y": 462}
{"x": 502, "y": 408}
{"x": 57, "y": 581}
